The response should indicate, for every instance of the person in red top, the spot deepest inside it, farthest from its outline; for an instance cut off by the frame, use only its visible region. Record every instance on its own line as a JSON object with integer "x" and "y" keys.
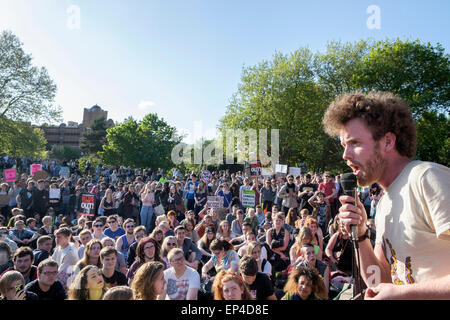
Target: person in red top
{"x": 329, "y": 188}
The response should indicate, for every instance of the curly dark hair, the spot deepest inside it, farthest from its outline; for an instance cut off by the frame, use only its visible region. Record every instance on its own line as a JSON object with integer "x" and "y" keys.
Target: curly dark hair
{"x": 382, "y": 112}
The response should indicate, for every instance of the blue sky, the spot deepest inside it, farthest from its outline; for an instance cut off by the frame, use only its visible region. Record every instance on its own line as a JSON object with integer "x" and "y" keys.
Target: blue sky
{"x": 183, "y": 59}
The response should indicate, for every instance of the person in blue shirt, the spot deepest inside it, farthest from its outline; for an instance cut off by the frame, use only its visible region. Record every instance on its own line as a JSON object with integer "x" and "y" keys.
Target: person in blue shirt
{"x": 190, "y": 188}
{"x": 114, "y": 231}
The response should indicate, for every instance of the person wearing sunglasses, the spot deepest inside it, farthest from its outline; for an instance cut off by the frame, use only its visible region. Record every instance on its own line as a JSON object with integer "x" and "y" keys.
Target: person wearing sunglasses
{"x": 169, "y": 243}
{"x": 46, "y": 286}
{"x": 125, "y": 241}
{"x": 97, "y": 229}
{"x": 113, "y": 230}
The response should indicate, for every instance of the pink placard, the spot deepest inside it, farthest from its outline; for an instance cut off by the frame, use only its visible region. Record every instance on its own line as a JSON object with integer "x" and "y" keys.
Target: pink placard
{"x": 35, "y": 167}
{"x": 10, "y": 175}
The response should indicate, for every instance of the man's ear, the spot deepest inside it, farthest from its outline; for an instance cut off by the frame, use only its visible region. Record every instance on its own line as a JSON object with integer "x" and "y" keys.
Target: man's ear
{"x": 389, "y": 142}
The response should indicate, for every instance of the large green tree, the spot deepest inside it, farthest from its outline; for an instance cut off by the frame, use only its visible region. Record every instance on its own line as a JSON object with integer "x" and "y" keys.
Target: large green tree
{"x": 26, "y": 91}
{"x": 64, "y": 152}
{"x": 20, "y": 139}
{"x": 93, "y": 139}
{"x": 147, "y": 143}
{"x": 291, "y": 93}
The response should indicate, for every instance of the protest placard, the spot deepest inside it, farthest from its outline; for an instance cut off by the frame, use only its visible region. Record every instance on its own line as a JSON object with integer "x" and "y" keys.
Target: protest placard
{"x": 248, "y": 198}
{"x": 215, "y": 202}
{"x": 87, "y": 204}
{"x": 54, "y": 193}
{"x": 294, "y": 171}
{"x": 35, "y": 167}
{"x": 64, "y": 172}
{"x": 10, "y": 175}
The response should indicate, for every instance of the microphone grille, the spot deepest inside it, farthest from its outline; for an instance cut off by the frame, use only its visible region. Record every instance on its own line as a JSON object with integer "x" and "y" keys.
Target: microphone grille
{"x": 348, "y": 181}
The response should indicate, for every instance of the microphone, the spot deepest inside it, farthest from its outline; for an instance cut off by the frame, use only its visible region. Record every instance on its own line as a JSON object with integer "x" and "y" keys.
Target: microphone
{"x": 349, "y": 184}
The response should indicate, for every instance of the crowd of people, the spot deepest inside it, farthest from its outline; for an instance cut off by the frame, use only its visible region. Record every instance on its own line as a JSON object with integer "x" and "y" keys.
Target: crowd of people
{"x": 154, "y": 235}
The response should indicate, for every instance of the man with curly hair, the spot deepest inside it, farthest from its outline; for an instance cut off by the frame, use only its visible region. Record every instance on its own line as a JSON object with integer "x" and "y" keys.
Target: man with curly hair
{"x": 411, "y": 257}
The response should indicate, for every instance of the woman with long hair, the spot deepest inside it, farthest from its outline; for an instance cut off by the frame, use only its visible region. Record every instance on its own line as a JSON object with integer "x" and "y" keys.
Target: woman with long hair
{"x": 224, "y": 231}
{"x": 277, "y": 238}
{"x": 291, "y": 217}
{"x": 147, "y": 197}
{"x": 228, "y": 285}
{"x": 91, "y": 255}
{"x": 148, "y": 281}
{"x": 191, "y": 233}
{"x": 157, "y": 235}
{"x": 200, "y": 196}
{"x": 317, "y": 240}
{"x": 147, "y": 250}
{"x": 254, "y": 250}
{"x": 304, "y": 236}
{"x": 304, "y": 283}
{"x": 172, "y": 219}
{"x": 169, "y": 243}
{"x": 204, "y": 243}
{"x": 107, "y": 203}
{"x": 88, "y": 284}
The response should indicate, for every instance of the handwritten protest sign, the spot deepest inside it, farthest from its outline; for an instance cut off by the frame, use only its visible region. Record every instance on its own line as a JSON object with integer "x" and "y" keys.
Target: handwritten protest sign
{"x": 10, "y": 175}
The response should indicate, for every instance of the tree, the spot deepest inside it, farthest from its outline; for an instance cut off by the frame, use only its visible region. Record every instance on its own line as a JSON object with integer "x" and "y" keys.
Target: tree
{"x": 21, "y": 139}
{"x": 92, "y": 140}
{"x": 26, "y": 91}
{"x": 433, "y": 140}
{"x": 64, "y": 152}
{"x": 291, "y": 93}
{"x": 283, "y": 94}
{"x": 143, "y": 144}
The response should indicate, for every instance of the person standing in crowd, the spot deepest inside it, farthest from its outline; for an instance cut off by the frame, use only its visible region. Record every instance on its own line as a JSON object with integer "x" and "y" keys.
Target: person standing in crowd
{"x": 46, "y": 286}
{"x": 200, "y": 197}
{"x": 329, "y": 189}
{"x": 378, "y": 134}
{"x": 107, "y": 203}
{"x": 190, "y": 188}
{"x": 146, "y": 214}
{"x": 288, "y": 193}
{"x": 40, "y": 199}
{"x": 182, "y": 282}
{"x": 25, "y": 199}
{"x": 267, "y": 196}
{"x": 305, "y": 191}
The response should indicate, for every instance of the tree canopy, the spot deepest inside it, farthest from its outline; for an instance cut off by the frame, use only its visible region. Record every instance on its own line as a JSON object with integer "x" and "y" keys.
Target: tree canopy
{"x": 93, "y": 139}
{"x": 291, "y": 93}
{"x": 147, "y": 143}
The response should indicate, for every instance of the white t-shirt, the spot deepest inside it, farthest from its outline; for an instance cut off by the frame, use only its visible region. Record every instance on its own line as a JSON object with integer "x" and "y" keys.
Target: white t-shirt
{"x": 66, "y": 258}
{"x": 413, "y": 223}
{"x": 177, "y": 288}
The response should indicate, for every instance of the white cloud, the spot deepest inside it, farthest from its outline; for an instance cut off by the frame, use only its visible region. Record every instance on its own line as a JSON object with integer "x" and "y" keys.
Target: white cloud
{"x": 144, "y": 105}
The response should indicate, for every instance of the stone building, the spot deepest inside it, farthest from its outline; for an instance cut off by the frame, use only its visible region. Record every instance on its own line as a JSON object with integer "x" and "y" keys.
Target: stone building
{"x": 71, "y": 133}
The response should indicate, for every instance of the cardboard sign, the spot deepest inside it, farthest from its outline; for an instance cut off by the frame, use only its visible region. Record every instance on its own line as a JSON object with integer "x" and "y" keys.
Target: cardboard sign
{"x": 87, "y": 204}
{"x": 215, "y": 202}
{"x": 205, "y": 175}
{"x": 255, "y": 169}
{"x": 281, "y": 168}
{"x": 266, "y": 172}
{"x": 64, "y": 172}
{"x": 54, "y": 193}
{"x": 294, "y": 171}
{"x": 10, "y": 175}
{"x": 35, "y": 167}
{"x": 248, "y": 198}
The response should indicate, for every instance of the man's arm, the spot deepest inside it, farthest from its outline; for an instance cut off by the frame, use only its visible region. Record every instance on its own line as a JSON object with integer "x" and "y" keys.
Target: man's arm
{"x": 436, "y": 289}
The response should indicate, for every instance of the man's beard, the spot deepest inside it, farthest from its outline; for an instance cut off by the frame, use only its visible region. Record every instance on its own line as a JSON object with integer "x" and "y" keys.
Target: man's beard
{"x": 372, "y": 169}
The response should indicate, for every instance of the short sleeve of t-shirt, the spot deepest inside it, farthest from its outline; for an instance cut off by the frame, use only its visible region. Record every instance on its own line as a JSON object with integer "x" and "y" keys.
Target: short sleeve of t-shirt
{"x": 262, "y": 287}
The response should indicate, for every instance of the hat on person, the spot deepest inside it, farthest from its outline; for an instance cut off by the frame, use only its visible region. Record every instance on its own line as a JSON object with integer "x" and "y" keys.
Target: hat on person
{"x": 209, "y": 229}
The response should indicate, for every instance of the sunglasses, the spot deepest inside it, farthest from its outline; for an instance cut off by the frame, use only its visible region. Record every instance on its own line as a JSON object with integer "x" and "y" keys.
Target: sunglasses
{"x": 171, "y": 244}
{"x": 112, "y": 221}
{"x": 98, "y": 225}
{"x": 128, "y": 227}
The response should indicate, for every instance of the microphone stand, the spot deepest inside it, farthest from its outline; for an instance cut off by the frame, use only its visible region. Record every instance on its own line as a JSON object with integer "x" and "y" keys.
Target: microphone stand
{"x": 357, "y": 291}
